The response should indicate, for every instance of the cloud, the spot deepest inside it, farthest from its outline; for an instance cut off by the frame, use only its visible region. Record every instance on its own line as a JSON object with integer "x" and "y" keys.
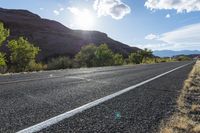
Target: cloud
{"x": 186, "y": 35}
{"x": 178, "y": 5}
{"x": 151, "y": 37}
{"x": 56, "y": 12}
{"x": 114, "y": 8}
{"x": 168, "y": 16}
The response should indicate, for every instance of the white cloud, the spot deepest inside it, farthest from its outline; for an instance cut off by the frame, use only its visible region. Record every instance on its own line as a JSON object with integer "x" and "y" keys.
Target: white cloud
{"x": 188, "y": 35}
{"x": 178, "y": 5}
{"x": 114, "y": 8}
{"x": 151, "y": 37}
{"x": 56, "y": 12}
{"x": 168, "y": 16}
{"x": 61, "y": 9}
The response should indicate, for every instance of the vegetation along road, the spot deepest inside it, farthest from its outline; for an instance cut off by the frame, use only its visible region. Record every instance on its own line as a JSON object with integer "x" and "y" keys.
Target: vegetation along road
{"x": 106, "y": 99}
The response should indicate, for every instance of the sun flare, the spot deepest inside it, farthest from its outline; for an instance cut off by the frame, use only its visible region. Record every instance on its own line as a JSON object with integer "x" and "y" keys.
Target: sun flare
{"x": 84, "y": 20}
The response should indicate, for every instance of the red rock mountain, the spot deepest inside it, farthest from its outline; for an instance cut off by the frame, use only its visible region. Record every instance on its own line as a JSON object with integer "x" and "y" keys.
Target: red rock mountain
{"x": 53, "y": 38}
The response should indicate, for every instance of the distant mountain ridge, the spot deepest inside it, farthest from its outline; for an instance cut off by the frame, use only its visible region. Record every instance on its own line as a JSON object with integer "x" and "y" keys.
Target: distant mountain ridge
{"x": 171, "y": 53}
{"x": 53, "y": 38}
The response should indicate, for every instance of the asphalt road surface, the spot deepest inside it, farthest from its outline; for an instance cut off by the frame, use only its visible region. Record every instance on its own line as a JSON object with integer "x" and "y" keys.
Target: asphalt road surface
{"x": 29, "y": 99}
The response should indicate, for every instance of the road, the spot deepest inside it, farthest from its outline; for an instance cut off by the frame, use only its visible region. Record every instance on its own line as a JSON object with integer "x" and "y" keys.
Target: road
{"x": 29, "y": 99}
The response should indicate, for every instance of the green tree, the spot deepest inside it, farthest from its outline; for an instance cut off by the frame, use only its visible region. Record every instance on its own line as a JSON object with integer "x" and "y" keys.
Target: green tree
{"x": 23, "y": 53}
{"x": 135, "y": 58}
{"x": 118, "y": 59}
{"x": 146, "y": 53}
{"x": 4, "y": 33}
{"x": 86, "y": 56}
{"x": 104, "y": 56}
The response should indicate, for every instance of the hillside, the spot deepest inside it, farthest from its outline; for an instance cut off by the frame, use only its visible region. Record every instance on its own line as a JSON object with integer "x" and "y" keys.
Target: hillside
{"x": 53, "y": 38}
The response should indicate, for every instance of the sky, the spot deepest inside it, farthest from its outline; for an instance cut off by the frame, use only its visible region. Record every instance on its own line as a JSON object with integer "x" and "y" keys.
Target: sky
{"x": 153, "y": 24}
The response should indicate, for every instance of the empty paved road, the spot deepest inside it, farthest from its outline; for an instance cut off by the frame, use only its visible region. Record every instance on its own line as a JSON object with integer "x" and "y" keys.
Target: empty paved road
{"x": 28, "y": 99}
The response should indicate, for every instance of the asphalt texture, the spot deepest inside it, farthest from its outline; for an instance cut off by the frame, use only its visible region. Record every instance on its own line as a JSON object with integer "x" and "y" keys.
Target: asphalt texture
{"x": 28, "y": 99}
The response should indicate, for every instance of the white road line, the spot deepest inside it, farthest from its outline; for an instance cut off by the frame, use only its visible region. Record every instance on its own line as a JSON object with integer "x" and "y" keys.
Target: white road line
{"x": 56, "y": 119}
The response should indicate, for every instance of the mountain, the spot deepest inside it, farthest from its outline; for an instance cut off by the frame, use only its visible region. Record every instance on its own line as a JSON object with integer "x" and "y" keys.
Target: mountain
{"x": 53, "y": 38}
{"x": 170, "y": 53}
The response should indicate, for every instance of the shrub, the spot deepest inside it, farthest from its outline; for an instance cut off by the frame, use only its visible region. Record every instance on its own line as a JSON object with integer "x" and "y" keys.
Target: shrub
{"x": 22, "y": 54}
{"x": 86, "y": 57}
{"x": 33, "y": 66}
{"x": 135, "y": 58}
{"x": 4, "y": 33}
{"x": 118, "y": 59}
{"x": 183, "y": 58}
{"x": 104, "y": 56}
{"x": 59, "y": 63}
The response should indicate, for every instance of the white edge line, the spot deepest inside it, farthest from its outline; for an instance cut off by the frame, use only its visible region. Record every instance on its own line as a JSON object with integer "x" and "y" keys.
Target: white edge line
{"x": 56, "y": 119}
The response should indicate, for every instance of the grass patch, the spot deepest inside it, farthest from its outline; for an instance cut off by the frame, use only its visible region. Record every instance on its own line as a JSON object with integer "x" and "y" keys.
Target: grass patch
{"x": 187, "y": 117}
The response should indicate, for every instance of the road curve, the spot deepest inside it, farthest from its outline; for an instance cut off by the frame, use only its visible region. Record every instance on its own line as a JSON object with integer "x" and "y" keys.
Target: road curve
{"x": 28, "y": 99}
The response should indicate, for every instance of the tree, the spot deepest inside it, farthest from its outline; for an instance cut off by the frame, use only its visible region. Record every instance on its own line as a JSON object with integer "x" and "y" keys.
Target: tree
{"x": 23, "y": 53}
{"x": 146, "y": 53}
{"x": 104, "y": 56}
{"x": 135, "y": 58}
{"x": 86, "y": 56}
{"x": 4, "y": 33}
{"x": 118, "y": 59}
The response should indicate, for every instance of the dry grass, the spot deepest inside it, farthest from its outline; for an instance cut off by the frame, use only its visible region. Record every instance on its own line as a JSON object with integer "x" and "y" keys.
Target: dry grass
{"x": 187, "y": 118}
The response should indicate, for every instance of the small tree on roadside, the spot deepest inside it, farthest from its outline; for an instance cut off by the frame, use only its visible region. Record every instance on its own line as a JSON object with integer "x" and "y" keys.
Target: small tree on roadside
{"x": 4, "y": 33}
{"x": 118, "y": 59}
{"x": 146, "y": 53}
{"x": 23, "y": 53}
{"x": 86, "y": 56}
{"x": 104, "y": 56}
{"x": 135, "y": 58}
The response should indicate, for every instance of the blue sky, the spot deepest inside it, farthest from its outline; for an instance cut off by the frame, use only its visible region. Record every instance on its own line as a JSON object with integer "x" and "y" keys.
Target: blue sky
{"x": 154, "y": 24}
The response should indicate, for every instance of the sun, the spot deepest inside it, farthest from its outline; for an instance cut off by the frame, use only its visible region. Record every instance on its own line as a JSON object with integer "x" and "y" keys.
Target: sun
{"x": 85, "y": 20}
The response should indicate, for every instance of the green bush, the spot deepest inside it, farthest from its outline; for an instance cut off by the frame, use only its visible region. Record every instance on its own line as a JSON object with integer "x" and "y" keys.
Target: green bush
{"x": 92, "y": 56}
{"x": 33, "y": 66}
{"x": 86, "y": 57}
{"x": 135, "y": 58}
{"x": 4, "y": 33}
{"x": 118, "y": 59}
{"x": 104, "y": 56}
{"x": 59, "y": 63}
{"x": 183, "y": 58}
{"x": 22, "y": 54}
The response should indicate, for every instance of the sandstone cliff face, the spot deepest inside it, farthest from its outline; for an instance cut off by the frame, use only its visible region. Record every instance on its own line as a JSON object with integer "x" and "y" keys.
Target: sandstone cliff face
{"x": 53, "y": 38}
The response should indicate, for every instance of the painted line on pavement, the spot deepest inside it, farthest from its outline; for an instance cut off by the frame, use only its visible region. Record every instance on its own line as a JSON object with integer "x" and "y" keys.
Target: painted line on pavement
{"x": 58, "y": 118}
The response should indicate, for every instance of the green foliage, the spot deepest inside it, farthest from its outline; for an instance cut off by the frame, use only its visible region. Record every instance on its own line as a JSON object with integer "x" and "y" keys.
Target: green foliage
{"x": 183, "y": 58}
{"x": 86, "y": 56}
{"x": 59, "y": 63}
{"x": 135, "y": 58}
{"x": 146, "y": 53}
{"x": 33, "y": 66}
{"x": 118, "y": 59}
{"x": 22, "y": 53}
{"x": 2, "y": 60}
{"x": 91, "y": 56}
{"x": 4, "y": 33}
{"x": 104, "y": 56}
